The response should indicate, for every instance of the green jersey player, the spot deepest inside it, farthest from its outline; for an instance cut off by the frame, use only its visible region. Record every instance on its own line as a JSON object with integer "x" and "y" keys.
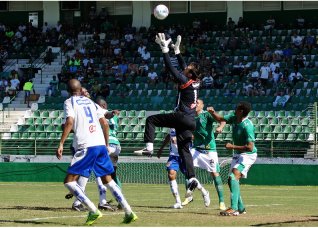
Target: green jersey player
{"x": 204, "y": 149}
{"x": 245, "y": 152}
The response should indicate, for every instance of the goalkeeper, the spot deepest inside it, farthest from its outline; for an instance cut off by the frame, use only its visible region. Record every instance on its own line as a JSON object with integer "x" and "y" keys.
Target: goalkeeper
{"x": 183, "y": 118}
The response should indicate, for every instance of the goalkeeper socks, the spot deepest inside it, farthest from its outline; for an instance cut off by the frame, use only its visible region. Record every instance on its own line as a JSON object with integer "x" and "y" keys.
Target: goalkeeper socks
{"x": 77, "y": 191}
{"x": 101, "y": 190}
{"x": 199, "y": 186}
{"x": 149, "y": 146}
{"x": 235, "y": 192}
{"x": 219, "y": 187}
{"x": 114, "y": 188}
{"x": 174, "y": 190}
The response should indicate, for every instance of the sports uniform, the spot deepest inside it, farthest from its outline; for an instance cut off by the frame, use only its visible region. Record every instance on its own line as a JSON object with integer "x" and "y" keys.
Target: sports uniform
{"x": 242, "y": 134}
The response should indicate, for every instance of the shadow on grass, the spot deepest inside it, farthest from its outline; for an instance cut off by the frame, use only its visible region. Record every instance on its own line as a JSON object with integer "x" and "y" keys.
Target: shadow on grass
{"x": 171, "y": 210}
{"x": 312, "y": 219}
{"x": 36, "y": 208}
{"x": 26, "y": 222}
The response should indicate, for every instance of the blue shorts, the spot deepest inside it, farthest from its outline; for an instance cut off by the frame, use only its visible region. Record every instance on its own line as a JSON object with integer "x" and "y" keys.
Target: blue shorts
{"x": 91, "y": 159}
{"x": 174, "y": 163}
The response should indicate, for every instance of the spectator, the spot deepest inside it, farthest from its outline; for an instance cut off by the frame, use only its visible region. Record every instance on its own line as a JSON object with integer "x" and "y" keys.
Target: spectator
{"x": 230, "y": 24}
{"x": 270, "y": 23}
{"x": 259, "y": 89}
{"x": 248, "y": 89}
{"x": 273, "y": 65}
{"x": 207, "y": 81}
{"x": 297, "y": 41}
{"x": 300, "y": 21}
{"x": 15, "y": 82}
{"x": 288, "y": 52}
{"x": 267, "y": 55}
{"x": 295, "y": 77}
{"x": 152, "y": 76}
{"x": 278, "y": 54}
{"x": 276, "y": 75}
{"x": 281, "y": 100}
{"x": 146, "y": 55}
{"x": 3, "y": 84}
{"x": 299, "y": 61}
{"x": 253, "y": 76}
{"x": 264, "y": 72}
{"x": 223, "y": 41}
{"x": 230, "y": 88}
{"x": 143, "y": 68}
{"x": 51, "y": 89}
{"x": 49, "y": 57}
{"x": 309, "y": 41}
{"x": 28, "y": 86}
{"x": 241, "y": 23}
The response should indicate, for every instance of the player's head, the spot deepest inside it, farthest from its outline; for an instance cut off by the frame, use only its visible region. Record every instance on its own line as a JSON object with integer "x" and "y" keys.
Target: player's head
{"x": 74, "y": 87}
{"x": 243, "y": 108}
{"x": 101, "y": 102}
{"x": 85, "y": 93}
{"x": 192, "y": 71}
{"x": 200, "y": 106}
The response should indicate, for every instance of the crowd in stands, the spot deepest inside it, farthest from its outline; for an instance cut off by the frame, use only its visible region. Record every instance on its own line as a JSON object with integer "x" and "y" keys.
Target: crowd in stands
{"x": 240, "y": 58}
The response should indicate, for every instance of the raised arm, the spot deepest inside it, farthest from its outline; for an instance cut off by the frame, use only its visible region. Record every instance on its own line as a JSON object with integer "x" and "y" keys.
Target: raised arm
{"x": 215, "y": 115}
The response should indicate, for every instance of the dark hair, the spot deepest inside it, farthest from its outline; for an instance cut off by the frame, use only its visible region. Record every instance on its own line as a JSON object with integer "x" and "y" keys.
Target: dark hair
{"x": 245, "y": 107}
{"x": 195, "y": 71}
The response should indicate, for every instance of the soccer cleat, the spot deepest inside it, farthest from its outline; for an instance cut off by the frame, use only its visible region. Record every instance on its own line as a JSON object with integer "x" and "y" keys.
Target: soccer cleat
{"x": 177, "y": 206}
{"x": 130, "y": 218}
{"x": 206, "y": 198}
{"x": 144, "y": 152}
{"x": 229, "y": 212}
{"x": 93, "y": 216}
{"x": 79, "y": 207}
{"x": 106, "y": 207}
{"x": 242, "y": 211}
{"x": 222, "y": 206}
{"x": 187, "y": 201}
{"x": 69, "y": 195}
{"x": 190, "y": 188}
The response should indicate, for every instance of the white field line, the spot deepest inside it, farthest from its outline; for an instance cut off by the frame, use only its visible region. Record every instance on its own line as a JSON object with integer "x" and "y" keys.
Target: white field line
{"x": 121, "y": 213}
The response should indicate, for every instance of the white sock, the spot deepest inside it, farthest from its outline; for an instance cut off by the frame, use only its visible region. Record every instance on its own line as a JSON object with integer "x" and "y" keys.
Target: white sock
{"x": 114, "y": 188}
{"x": 77, "y": 191}
{"x": 174, "y": 190}
{"x": 199, "y": 186}
{"x": 101, "y": 190}
{"x": 149, "y": 146}
{"x": 82, "y": 181}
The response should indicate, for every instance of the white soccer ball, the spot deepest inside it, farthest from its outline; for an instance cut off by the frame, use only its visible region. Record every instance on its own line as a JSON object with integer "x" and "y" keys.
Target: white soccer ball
{"x": 161, "y": 12}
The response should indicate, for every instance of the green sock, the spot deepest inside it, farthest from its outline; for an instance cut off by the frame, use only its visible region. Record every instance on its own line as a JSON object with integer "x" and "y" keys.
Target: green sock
{"x": 118, "y": 182}
{"x": 219, "y": 187}
{"x": 241, "y": 205}
{"x": 235, "y": 192}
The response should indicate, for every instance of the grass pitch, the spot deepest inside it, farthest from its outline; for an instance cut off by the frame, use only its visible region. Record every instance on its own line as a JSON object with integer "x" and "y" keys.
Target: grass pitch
{"x": 43, "y": 204}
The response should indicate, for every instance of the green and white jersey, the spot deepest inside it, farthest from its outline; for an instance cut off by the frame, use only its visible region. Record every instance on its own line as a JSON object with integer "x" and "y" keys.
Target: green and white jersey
{"x": 204, "y": 134}
{"x": 242, "y": 133}
{"x": 113, "y": 127}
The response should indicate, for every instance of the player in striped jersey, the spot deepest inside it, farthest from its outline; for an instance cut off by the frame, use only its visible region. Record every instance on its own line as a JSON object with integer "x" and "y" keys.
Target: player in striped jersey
{"x": 245, "y": 152}
{"x": 89, "y": 142}
{"x": 173, "y": 165}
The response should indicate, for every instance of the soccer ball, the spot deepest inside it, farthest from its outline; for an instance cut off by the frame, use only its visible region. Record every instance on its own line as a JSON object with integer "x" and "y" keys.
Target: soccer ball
{"x": 161, "y": 12}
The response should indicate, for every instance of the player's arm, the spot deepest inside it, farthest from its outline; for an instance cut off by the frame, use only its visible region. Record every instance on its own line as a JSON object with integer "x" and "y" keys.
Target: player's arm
{"x": 215, "y": 115}
{"x": 165, "y": 142}
{"x": 246, "y": 148}
{"x": 111, "y": 114}
{"x": 104, "y": 124}
{"x": 219, "y": 129}
{"x": 68, "y": 126}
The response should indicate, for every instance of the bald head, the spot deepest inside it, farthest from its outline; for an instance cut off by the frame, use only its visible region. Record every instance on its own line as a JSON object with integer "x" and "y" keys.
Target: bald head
{"x": 101, "y": 102}
{"x": 74, "y": 87}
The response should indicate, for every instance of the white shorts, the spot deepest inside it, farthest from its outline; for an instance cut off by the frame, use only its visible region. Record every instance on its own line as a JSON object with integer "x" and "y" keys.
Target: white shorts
{"x": 113, "y": 152}
{"x": 208, "y": 161}
{"x": 243, "y": 162}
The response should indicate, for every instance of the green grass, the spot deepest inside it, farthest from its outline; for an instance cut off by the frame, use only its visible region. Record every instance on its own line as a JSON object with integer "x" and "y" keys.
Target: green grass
{"x": 43, "y": 204}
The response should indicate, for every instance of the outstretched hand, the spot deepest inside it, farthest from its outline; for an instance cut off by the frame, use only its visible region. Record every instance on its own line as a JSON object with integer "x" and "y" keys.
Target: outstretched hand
{"x": 176, "y": 46}
{"x": 163, "y": 43}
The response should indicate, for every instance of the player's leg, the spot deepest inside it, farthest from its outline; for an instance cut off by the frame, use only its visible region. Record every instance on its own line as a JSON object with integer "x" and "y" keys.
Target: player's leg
{"x": 103, "y": 167}
{"x": 81, "y": 165}
{"x": 234, "y": 185}
{"x": 172, "y": 168}
{"x": 77, "y": 205}
{"x": 102, "y": 190}
{"x": 160, "y": 120}
{"x": 219, "y": 188}
{"x": 114, "y": 151}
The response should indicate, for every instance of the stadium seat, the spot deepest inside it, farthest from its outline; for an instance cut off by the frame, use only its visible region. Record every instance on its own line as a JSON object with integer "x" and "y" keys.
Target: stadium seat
{"x": 291, "y": 137}
{"x": 274, "y": 121}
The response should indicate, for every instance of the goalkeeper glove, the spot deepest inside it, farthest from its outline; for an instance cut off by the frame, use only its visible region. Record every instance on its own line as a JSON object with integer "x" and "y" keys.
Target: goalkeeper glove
{"x": 176, "y": 46}
{"x": 163, "y": 43}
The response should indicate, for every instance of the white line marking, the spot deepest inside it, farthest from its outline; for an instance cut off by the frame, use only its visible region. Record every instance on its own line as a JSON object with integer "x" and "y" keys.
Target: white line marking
{"x": 146, "y": 211}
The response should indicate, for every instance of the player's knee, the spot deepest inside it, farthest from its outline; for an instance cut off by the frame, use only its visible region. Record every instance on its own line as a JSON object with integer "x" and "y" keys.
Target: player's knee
{"x": 172, "y": 175}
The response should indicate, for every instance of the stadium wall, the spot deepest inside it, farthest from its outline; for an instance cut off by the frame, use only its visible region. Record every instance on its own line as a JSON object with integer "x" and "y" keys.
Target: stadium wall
{"x": 155, "y": 173}
{"x": 15, "y": 18}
